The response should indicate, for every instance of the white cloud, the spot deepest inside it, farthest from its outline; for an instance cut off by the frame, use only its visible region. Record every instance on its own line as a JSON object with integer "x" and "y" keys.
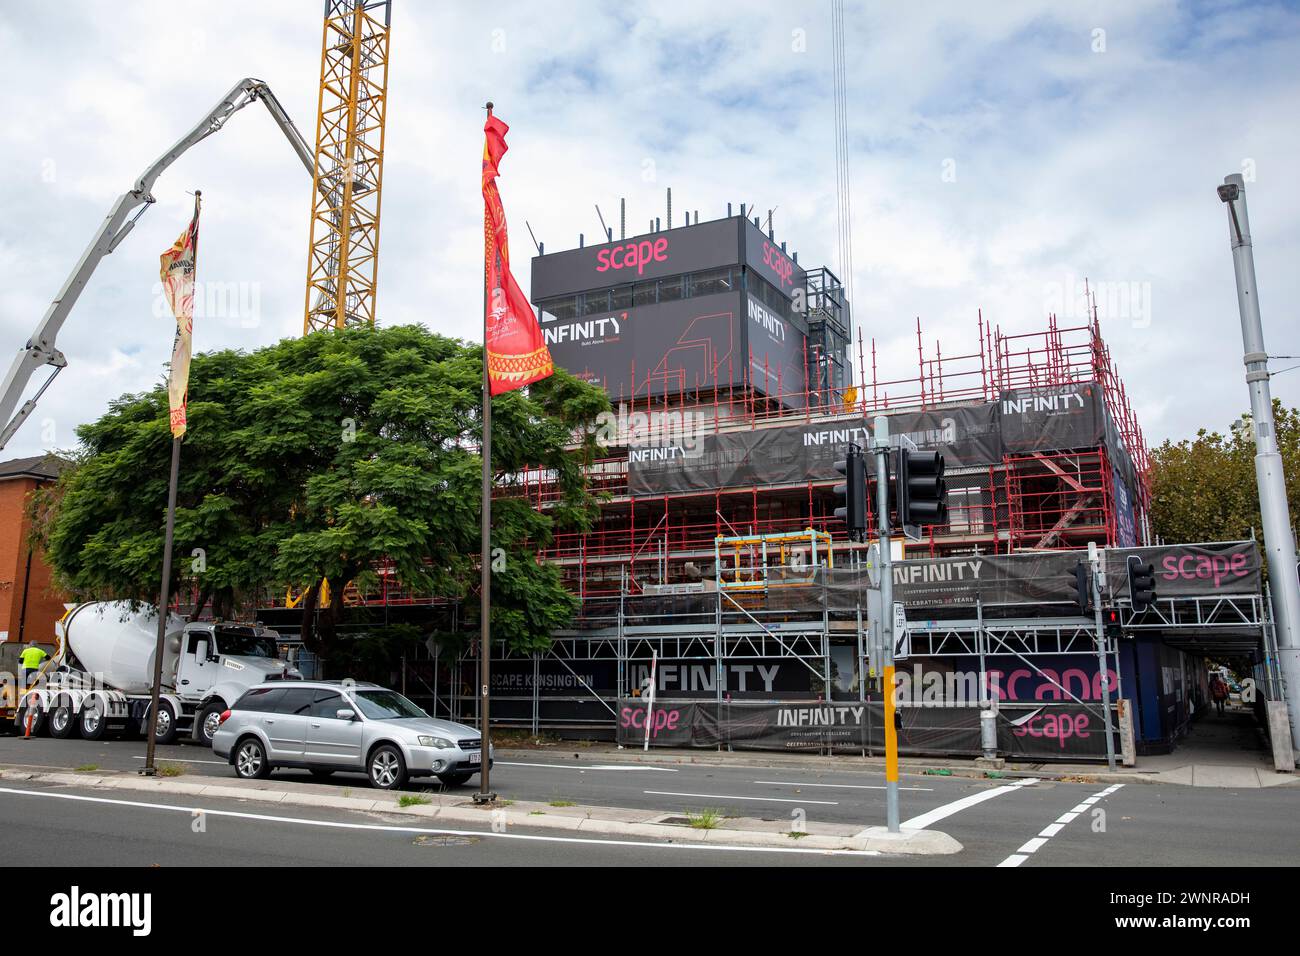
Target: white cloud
{"x": 1069, "y": 163}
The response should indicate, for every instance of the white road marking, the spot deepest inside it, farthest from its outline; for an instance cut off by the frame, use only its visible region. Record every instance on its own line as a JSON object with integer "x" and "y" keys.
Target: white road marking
{"x": 838, "y": 786}
{"x": 1034, "y": 845}
{"x": 437, "y": 831}
{"x": 218, "y": 763}
{"x": 563, "y": 766}
{"x": 727, "y": 796}
{"x": 948, "y": 809}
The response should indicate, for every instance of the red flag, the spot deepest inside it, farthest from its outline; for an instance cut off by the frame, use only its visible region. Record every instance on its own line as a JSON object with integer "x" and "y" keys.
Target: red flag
{"x": 516, "y": 353}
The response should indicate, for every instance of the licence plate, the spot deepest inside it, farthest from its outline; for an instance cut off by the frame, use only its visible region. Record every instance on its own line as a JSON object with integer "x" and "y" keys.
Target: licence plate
{"x": 475, "y": 756}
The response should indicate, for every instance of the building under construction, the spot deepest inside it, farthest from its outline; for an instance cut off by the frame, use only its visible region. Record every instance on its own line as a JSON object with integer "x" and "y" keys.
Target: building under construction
{"x": 718, "y": 565}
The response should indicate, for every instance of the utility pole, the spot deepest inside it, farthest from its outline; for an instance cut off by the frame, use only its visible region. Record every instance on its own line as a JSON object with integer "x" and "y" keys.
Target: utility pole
{"x": 1279, "y": 542}
{"x": 1094, "y": 565}
{"x": 880, "y": 445}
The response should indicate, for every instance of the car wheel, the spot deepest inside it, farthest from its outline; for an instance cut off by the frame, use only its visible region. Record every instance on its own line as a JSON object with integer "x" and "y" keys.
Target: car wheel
{"x": 165, "y": 731}
{"x": 455, "y": 779}
{"x": 250, "y": 759}
{"x": 321, "y": 772}
{"x": 387, "y": 769}
{"x": 94, "y": 725}
{"x": 208, "y": 720}
{"x": 63, "y": 720}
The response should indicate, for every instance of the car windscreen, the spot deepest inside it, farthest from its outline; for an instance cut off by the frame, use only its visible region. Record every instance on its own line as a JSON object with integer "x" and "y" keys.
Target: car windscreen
{"x": 242, "y": 643}
{"x": 386, "y": 705}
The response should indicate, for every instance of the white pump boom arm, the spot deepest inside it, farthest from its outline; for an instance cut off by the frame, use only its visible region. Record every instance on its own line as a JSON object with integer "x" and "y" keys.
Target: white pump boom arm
{"x": 40, "y": 349}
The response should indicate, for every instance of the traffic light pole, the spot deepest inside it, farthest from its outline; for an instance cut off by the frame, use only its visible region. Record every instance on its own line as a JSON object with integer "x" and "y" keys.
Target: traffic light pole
{"x": 880, "y": 445}
{"x": 1279, "y": 542}
{"x": 1094, "y": 563}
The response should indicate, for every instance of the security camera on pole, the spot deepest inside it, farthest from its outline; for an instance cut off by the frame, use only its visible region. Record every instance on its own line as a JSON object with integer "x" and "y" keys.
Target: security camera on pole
{"x": 1279, "y": 542}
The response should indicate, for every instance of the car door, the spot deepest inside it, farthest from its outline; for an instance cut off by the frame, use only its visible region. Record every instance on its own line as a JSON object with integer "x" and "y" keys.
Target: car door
{"x": 330, "y": 740}
{"x": 286, "y": 725}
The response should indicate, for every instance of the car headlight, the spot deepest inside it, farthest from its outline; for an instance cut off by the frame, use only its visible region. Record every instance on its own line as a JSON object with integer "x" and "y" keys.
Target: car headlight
{"x": 438, "y": 743}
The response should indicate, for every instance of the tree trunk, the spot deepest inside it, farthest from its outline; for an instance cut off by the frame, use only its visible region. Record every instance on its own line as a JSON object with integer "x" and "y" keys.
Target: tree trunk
{"x": 310, "y": 639}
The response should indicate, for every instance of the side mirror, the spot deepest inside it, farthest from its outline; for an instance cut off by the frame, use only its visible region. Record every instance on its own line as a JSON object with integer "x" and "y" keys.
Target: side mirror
{"x": 201, "y": 650}
{"x": 345, "y": 713}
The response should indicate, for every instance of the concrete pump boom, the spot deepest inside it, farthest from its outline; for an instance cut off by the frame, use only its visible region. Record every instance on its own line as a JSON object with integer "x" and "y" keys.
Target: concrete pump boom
{"x": 40, "y": 349}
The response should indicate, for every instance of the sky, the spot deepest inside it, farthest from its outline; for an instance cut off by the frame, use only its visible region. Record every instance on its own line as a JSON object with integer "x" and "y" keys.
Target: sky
{"x": 1000, "y": 154}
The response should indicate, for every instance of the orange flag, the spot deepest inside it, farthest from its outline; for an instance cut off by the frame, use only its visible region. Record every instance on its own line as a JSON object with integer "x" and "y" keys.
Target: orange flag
{"x": 516, "y": 352}
{"x": 176, "y": 267}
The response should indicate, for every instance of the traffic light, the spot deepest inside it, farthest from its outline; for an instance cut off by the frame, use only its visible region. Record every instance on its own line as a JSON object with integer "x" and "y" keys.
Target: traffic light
{"x": 1114, "y": 630}
{"x": 1083, "y": 587}
{"x": 853, "y": 511}
{"x": 920, "y": 493}
{"x": 1141, "y": 583}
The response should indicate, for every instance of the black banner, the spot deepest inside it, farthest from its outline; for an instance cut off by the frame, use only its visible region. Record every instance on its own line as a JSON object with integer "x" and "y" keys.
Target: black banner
{"x": 970, "y": 435}
{"x": 1047, "y": 731}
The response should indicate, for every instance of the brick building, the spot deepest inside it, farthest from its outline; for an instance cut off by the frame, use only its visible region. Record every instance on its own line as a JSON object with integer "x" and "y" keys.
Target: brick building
{"x": 28, "y": 605}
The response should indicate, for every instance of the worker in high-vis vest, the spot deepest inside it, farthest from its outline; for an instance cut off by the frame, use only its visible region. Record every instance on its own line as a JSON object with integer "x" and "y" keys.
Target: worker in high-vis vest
{"x": 31, "y": 660}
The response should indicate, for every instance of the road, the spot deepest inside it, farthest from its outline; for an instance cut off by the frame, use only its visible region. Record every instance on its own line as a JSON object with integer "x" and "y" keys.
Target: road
{"x": 999, "y": 822}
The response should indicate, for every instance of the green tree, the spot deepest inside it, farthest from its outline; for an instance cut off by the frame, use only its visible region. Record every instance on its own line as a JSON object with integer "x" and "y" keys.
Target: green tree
{"x": 317, "y": 458}
{"x": 1204, "y": 489}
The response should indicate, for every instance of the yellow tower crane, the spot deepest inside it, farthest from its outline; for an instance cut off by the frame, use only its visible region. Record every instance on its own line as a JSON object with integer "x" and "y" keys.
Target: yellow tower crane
{"x": 343, "y": 256}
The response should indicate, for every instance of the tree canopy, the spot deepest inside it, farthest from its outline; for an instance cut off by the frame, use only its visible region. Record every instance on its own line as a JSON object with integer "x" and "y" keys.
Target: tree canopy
{"x": 318, "y": 458}
{"x": 1203, "y": 489}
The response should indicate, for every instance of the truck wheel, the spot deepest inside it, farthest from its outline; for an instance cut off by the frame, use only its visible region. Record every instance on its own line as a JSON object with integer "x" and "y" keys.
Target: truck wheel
{"x": 386, "y": 768}
{"x": 94, "y": 725}
{"x": 208, "y": 720}
{"x": 38, "y": 716}
{"x": 63, "y": 720}
{"x": 250, "y": 759}
{"x": 165, "y": 731}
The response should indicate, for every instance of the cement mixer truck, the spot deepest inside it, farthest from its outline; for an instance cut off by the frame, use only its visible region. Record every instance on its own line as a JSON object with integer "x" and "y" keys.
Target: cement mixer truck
{"x": 99, "y": 679}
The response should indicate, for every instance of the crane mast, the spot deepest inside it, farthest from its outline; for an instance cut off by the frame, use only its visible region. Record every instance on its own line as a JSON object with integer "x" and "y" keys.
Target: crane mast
{"x": 343, "y": 253}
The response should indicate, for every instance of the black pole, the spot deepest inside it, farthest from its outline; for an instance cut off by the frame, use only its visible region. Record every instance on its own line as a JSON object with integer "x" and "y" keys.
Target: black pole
{"x": 149, "y": 770}
{"x": 485, "y": 794}
{"x": 155, "y": 692}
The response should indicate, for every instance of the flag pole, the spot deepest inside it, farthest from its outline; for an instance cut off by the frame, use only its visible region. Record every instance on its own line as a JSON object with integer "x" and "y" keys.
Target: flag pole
{"x": 485, "y": 794}
{"x": 155, "y": 691}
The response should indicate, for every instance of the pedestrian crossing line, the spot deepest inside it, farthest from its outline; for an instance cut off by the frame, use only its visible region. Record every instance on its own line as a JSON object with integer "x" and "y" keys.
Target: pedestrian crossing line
{"x": 1052, "y": 829}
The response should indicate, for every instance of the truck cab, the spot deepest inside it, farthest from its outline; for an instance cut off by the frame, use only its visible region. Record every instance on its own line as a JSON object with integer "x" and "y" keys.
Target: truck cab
{"x": 216, "y": 663}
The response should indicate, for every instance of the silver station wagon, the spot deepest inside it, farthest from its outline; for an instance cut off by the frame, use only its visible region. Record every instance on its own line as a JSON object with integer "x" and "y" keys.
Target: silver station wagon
{"x": 328, "y": 726}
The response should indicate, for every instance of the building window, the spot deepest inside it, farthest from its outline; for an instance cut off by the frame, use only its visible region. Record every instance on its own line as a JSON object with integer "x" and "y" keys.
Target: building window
{"x": 620, "y": 298}
{"x": 966, "y": 510}
{"x": 710, "y": 282}
{"x": 670, "y": 290}
{"x": 563, "y": 309}
{"x": 645, "y": 293}
{"x": 595, "y": 303}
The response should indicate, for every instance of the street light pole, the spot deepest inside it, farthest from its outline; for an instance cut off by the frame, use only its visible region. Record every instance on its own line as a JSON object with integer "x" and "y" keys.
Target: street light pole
{"x": 1279, "y": 541}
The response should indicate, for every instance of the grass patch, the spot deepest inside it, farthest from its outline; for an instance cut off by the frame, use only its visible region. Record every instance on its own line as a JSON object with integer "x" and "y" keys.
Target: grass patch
{"x": 797, "y": 834}
{"x": 85, "y": 767}
{"x": 704, "y": 819}
{"x": 412, "y": 800}
{"x": 537, "y": 813}
{"x": 170, "y": 770}
{"x": 561, "y": 803}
